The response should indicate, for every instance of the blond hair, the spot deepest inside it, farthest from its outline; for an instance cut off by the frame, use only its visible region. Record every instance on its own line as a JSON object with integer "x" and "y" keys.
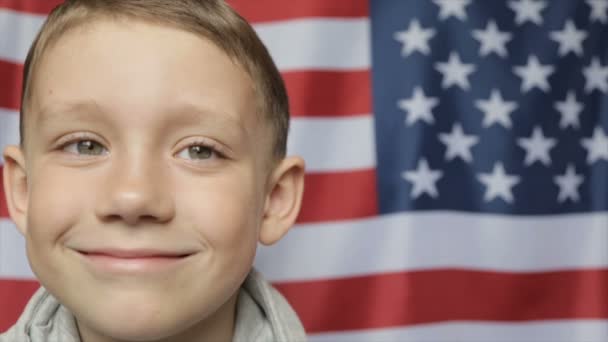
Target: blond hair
{"x": 211, "y": 19}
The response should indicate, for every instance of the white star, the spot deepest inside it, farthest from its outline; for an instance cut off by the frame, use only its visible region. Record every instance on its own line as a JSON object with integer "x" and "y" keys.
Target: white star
{"x": 498, "y": 184}
{"x": 534, "y": 74}
{"x": 455, "y": 8}
{"x": 492, "y": 40}
{"x": 569, "y": 39}
{"x": 423, "y": 180}
{"x": 418, "y": 107}
{"x": 568, "y": 184}
{"x": 496, "y": 109}
{"x": 569, "y": 110}
{"x": 455, "y": 72}
{"x": 415, "y": 38}
{"x": 598, "y": 10}
{"x": 537, "y": 147}
{"x": 458, "y": 144}
{"x": 527, "y": 10}
{"x": 596, "y": 76}
{"x": 596, "y": 146}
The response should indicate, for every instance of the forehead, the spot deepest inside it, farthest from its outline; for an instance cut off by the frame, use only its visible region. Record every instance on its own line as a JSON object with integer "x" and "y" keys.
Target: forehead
{"x": 141, "y": 70}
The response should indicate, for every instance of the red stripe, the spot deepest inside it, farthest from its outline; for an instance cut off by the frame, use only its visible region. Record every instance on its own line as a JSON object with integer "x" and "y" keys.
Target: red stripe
{"x": 339, "y": 196}
{"x": 30, "y": 6}
{"x": 327, "y": 93}
{"x": 327, "y": 196}
{"x": 3, "y": 208}
{"x": 409, "y": 298}
{"x": 269, "y": 10}
{"x": 312, "y": 93}
{"x": 14, "y": 294}
{"x": 10, "y": 77}
{"x": 254, "y": 11}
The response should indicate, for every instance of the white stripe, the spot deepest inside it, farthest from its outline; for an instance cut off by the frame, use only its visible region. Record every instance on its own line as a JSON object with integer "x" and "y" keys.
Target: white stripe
{"x": 318, "y": 43}
{"x": 17, "y": 31}
{"x": 325, "y": 144}
{"x": 13, "y": 261}
{"x": 541, "y": 331}
{"x": 334, "y": 144}
{"x": 410, "y": 242}
{"x": 432, "y": 240}
{"x": 9, "y": 129}
{"x": 294, "y": 44}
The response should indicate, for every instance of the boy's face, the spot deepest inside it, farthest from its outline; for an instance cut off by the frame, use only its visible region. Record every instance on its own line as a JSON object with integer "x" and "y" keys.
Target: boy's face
{"x": 147, "y": 178}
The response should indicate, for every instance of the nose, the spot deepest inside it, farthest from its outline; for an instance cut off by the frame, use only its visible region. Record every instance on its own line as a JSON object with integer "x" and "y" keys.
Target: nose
{"x": 135, "y": 192}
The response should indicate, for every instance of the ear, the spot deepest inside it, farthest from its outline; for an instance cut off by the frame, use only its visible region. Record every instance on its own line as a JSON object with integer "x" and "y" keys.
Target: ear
{"x": 283, "y": 199}
{"x": 15, "y": 186}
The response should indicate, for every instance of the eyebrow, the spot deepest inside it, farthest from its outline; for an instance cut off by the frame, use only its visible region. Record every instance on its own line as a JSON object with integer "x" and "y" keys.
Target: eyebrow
{"x": 186, "y": 114}
{"x": 183, "y": 114}
{"x": 77, "y": 111}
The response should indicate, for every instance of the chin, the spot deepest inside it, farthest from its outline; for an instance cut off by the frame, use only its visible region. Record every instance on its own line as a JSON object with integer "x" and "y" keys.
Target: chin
{"x": 137, "y": 328}
{"x": 132, "y": 319}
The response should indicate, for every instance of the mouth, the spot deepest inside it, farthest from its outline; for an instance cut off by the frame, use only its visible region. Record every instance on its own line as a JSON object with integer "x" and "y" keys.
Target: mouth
{"x": 135, "y": 253}
{"x": 134, "y": 261}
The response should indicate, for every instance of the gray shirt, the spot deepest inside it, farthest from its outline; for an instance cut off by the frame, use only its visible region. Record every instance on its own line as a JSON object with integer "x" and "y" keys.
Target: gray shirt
{"x": 263, "y": 315}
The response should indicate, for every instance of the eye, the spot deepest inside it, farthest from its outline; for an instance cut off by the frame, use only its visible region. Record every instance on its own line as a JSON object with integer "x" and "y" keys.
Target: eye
{"x": 198, "y": 152}
{"x": 85, "y": 147}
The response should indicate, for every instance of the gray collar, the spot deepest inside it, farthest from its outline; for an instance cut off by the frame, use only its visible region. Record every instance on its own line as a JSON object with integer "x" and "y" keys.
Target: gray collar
{"x": 263, "y": 315}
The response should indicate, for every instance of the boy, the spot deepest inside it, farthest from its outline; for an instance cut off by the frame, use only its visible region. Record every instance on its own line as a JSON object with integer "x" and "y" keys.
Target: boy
{"x": 152, "y": 161}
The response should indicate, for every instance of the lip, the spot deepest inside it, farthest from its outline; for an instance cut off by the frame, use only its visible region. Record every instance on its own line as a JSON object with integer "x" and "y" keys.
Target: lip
{"x": 135, "y": 253}
{"x": 133, "y": 261}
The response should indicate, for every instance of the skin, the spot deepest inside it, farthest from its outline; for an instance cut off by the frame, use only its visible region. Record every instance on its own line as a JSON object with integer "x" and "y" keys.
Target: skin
{"x": 144, "y": 136}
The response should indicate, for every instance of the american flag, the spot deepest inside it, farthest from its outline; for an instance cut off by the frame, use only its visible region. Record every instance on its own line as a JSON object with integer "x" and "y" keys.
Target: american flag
{"x": 457, "y": 154}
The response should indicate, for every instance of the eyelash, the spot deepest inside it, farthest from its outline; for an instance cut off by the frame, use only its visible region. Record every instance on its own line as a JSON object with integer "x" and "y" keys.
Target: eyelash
{"x": 76, "y": 138}
{"x": 215, "y": 148}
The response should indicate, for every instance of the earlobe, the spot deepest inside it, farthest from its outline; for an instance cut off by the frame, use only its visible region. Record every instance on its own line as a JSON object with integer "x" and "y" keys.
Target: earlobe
{"x": 283, "y": 200}
{"x": 15, "y": 186}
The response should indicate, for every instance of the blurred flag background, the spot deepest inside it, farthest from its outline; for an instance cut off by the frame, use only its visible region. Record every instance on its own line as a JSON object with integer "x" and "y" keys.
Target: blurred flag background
{"x": 457, "y": 153}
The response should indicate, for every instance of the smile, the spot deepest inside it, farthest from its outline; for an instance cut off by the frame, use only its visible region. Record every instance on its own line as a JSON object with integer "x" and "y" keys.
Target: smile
{"x": 133, "y": 261}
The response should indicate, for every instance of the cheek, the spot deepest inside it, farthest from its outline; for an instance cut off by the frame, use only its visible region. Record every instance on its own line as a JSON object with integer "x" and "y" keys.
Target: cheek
{"x": 226, "y": 211}
{"x": 56, "y": 202}
{"x": 57, "y": 199}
